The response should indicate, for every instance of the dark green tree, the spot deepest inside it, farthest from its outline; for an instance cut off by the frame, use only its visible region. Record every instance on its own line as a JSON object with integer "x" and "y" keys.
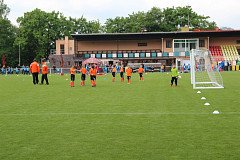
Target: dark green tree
{"x": 38, "y": 31}
{"x": 159, "y": 20}
{"x": 4, "y": 10}
{"x": 7, "y": 37}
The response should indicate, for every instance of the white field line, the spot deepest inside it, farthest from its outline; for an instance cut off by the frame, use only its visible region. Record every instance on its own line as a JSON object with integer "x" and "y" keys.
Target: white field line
{"x": 130, "y": 113}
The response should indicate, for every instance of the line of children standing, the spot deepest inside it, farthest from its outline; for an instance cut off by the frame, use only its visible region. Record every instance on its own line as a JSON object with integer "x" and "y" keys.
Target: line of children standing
{"x": 93, "y": 74}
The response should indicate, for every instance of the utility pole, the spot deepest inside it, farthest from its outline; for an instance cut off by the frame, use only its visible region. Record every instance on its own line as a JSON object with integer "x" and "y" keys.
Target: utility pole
{"x": 19, "y": 55}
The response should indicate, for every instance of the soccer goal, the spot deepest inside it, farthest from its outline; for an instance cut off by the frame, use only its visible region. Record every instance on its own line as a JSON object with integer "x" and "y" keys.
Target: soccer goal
{"x": 203, "y": 74}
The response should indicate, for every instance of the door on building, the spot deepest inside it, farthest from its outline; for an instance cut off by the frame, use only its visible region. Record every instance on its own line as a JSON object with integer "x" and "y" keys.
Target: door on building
{"x": 192, "y": 46}
{"x": 110, "y": 63}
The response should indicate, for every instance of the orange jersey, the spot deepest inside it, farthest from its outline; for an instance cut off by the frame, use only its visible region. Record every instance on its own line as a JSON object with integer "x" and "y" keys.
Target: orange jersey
{"x": 121, "y": 69}
{"x": 114, "y": 69}
{"x": 83, "y": 70}
{"x": 93, "y": 72}
{"x": 44, "y": 68}
{"x": 72, "y": 70}
{"x": 140, "y": 70}
{"x": 34, "y": 67}
{"x": 129, "y": 71}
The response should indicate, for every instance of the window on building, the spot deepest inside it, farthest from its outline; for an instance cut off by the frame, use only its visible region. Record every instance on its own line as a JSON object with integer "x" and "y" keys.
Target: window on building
{"x": 119, "y": 55}
{"x": 131, "y": 55}
{"x": 98, "y": 55}
{"x": 142, "y": 44}
{"x": 109, "y": 56}
{"x": 69, "y": 63}
{"x": 154, "y": 54}
{"x": 86, "y": 55}
{"x": 176, "y": 45}
{"x": 201, "y": 43}
{"x": 142, "y": 55}
{"x": 183, "y": 45}
{"x": 168, "y": 44}
{"x": 62, "y": 49}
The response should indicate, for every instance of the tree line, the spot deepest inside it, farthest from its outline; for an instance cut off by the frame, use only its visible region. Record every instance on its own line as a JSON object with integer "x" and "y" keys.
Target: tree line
{"x": 37, "y": 31}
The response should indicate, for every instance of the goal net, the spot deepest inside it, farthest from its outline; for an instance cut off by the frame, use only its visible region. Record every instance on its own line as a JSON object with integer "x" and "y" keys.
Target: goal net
{"x": 204, "y": 75}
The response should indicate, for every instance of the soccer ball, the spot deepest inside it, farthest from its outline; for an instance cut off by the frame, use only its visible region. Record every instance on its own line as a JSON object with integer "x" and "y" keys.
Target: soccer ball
{"x": 179, "y": 76}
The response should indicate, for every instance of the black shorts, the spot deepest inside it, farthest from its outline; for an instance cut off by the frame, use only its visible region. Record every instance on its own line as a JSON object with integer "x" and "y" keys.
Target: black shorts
{"x": 113, "y": 74}
{"x": 128, "y": 77}
{"x": 72, "y": 77}
{"x": 140, "y": 74}
{"x": 93, "y": 78}
{"x": 121, "y": 74}
{"x": 83, "y": 77}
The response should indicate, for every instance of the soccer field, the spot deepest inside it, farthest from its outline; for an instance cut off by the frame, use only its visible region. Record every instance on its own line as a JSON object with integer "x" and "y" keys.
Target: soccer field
{"x": 144, "y": 120}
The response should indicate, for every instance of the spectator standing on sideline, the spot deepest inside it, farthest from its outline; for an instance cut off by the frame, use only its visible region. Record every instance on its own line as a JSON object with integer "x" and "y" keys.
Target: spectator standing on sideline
{"x": 35, "y": 69}
{"x": 162, "y": 68}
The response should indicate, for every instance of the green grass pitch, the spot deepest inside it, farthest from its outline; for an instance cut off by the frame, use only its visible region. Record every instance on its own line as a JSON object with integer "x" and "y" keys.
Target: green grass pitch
{"x": 142, "y": 121}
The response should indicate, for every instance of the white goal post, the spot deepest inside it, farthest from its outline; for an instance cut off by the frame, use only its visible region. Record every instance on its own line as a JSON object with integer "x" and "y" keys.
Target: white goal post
{"x": 203, "y": 73}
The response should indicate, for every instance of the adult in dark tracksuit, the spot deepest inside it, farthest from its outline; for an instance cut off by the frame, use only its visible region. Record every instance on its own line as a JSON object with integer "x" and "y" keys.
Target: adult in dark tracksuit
{"x": 44, "y": 72}
{"x": 35, "y": 69}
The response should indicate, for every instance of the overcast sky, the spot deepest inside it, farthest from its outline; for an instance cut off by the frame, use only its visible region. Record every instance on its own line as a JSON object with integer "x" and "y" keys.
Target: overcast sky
{"x": 226, "y": 13}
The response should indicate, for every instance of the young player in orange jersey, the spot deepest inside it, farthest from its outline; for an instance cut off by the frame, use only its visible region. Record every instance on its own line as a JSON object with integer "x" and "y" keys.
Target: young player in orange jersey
{"x": 140, "y": 71}
{"x": 72, "y": 72}
{"x": 121, "y": 73}
{"x": 93, "y": 76}
{"x": 114, "y": 70}
{"x": 129, "y": 74}
{"x": 83, "y": 76}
